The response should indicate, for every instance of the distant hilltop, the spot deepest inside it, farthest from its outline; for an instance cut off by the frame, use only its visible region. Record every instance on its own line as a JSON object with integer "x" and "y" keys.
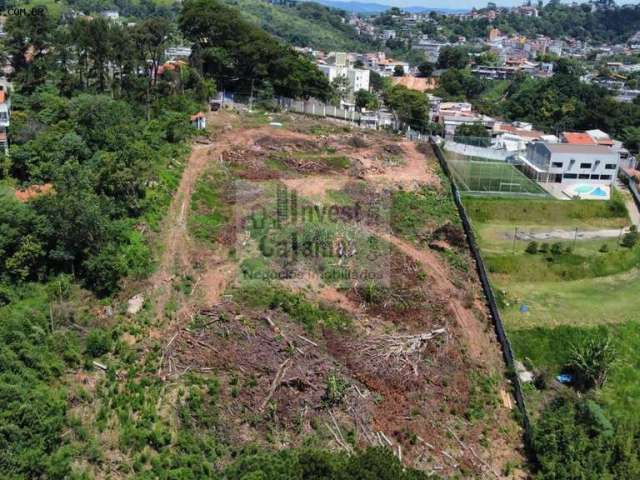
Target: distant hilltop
{"x": 361, "y": 7}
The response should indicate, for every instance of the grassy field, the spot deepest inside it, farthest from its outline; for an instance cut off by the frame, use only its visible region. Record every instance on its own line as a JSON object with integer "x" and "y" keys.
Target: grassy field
{"x": 577, "y": 292}
{"x": 549, "y": 212}
{"x": 484, "y": 176}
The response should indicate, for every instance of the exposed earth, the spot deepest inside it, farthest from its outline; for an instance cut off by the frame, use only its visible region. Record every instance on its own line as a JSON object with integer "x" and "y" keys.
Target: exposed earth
{"x": 410, "y": 362}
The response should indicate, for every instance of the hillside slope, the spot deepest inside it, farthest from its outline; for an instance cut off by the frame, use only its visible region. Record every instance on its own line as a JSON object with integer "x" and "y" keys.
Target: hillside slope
{"x": 306, "y": 25}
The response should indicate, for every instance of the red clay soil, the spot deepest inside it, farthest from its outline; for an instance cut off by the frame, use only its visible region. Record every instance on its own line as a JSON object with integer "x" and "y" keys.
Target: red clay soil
{"x": 33, "y": 191}
{"x": 272, "y": 371}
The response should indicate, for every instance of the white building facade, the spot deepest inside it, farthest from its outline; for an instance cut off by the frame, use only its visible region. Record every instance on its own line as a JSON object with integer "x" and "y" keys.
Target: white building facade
{"x": 567, "y": 163}
{"x": 358, "y": 78}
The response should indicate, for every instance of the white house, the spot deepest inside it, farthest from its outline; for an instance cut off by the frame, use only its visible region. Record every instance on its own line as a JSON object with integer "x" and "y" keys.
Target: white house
{"x": 358, "y": 78}
{"x": 388, "y": 34}
{"x": 110, "y": 14}
{"x": 570, "y": 163}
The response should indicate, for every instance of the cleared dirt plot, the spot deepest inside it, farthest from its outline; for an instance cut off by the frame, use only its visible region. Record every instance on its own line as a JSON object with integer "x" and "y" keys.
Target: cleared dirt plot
{"x": 316, "y": 288}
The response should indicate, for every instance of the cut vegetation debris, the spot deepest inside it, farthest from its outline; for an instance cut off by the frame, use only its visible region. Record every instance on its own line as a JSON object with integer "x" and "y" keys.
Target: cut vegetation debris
{"x": 322, "y": 318}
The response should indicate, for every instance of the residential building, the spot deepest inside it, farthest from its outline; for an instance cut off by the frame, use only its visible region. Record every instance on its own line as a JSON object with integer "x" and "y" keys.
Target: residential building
{"x": 5, "y": 114}
{"x": 570, "y": 163}
{"x": 358, "y": 78}
{"x": 177, "y": 52}
{"x": 383, "y": 65}
{"x": 388, "y": 34}
{"x": 494, "y": 34}
{"x": 514, "y": 136}
{"x": 110, "y": 14}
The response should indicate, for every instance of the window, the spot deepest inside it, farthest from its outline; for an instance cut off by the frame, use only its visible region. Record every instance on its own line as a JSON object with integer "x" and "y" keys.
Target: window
{"x": 605, "y": 177}
{"x": 610, "y": 166}
{"x": 585, "y": 165}
{"x": 556, "y": 164}
{"x": 595, "y": 177}
{"x": 570, "y": 175}
{"x": 584, "y": 176}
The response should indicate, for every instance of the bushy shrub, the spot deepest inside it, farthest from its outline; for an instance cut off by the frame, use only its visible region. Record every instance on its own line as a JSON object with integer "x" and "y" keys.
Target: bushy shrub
{"x": 590, "y": 362}
{"x": 630, "y": 238}
{"x": 532, "y": 248}
{"x": 556, "y": 248}
{"x": 98, "y": 343}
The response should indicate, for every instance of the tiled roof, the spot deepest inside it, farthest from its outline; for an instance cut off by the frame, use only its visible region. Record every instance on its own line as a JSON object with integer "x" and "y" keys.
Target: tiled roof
{"x": 578, "y": 138}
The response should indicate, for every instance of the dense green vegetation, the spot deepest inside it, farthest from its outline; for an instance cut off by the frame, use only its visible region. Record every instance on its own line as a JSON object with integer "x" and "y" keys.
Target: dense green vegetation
{"x": 101, "y": 168}
{"x": 306, "y": 24}
{"x": 96, "y": 123}
{"x": 241, "y": 56}
{"x": 411, "y": 107}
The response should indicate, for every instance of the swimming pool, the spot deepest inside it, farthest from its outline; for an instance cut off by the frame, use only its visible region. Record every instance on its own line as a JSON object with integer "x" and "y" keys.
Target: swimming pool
{"x": 586, "y": 191}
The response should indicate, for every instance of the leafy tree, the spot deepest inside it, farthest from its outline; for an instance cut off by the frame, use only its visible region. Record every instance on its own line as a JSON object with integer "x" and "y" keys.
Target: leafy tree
{"x": 398, "y": 71}
{"x": 532, "y": 248}
{"x": 472, "y": 134}
{"x": 366, "y": 99}
{"x": 556, "y": 248}
{"x": 410, "y": 106}
{"x": 426, "y": 69}
{"x": 239, "y": 54}
{"x": 453, "y": 57}
{"x": 631, "y": 138}
{"x": 576, "y": 440}
{"x": 98, "y": 343}
{"x": 28, "y": 39}
{"x": 340, "y": 86}
{"x": 376, "y": 81}
{"x": 461, "y": 83}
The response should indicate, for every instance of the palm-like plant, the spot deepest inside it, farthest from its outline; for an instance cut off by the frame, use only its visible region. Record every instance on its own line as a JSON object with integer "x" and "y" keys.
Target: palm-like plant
{"x": 591, "y": 361}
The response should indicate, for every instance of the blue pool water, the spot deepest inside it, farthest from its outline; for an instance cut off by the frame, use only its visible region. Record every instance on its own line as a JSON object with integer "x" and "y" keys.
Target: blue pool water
{"x": 591, "y": 190}
{"x": 582, "y": 188}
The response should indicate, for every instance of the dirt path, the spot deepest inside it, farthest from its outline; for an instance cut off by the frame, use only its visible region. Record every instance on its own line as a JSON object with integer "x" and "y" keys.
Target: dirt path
{"x": 476, "y": 337}
{"x": 175, "y": 256}
{"x": 561, "y": 234}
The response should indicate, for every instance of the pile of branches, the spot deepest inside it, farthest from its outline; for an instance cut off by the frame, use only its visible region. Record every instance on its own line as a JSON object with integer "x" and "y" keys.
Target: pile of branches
{"x": 401, "y": 351}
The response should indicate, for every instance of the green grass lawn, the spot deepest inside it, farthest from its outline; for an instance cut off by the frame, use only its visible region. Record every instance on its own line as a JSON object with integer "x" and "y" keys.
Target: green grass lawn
{"x": 585, "y": 302}
{"x": 486, "y": 176}
{"x": 569, "y": 296}
{"x": 549, "y": 348}
{"x": 536, "y": 212}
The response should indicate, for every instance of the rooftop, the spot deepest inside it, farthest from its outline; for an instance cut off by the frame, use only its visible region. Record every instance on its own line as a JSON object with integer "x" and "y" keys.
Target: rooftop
{"x": 578, "y": 138}
{"x": 578, "y": 148}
